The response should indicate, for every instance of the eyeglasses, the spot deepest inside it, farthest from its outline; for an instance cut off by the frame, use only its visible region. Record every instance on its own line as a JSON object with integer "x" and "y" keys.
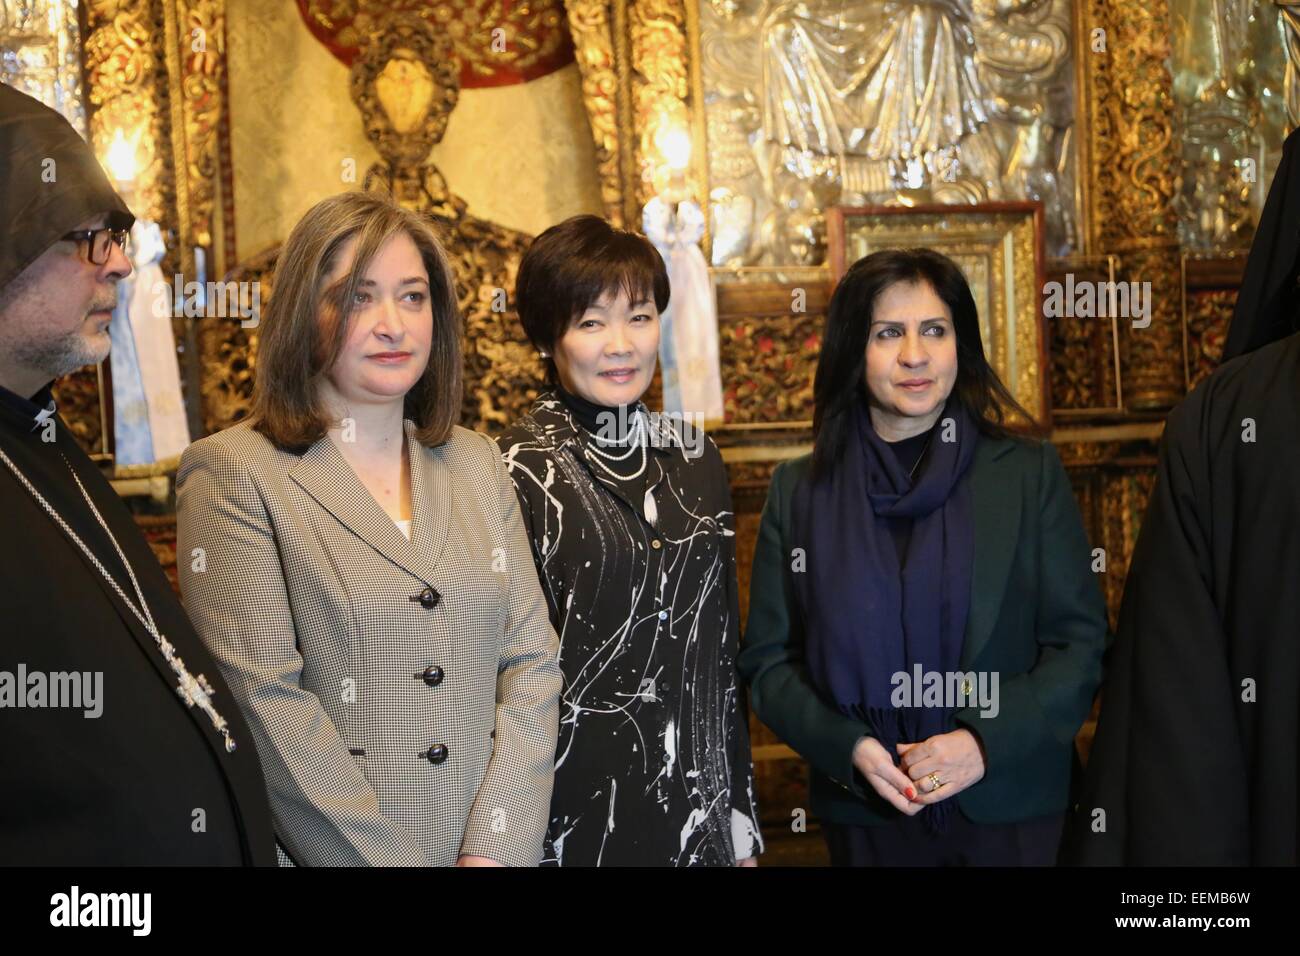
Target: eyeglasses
{"x": 98, "y": 242}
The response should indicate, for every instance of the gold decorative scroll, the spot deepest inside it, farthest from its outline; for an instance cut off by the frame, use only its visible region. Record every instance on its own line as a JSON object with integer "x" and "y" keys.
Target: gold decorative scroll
{"x": 535, "y": 42}
{"x": 1209, "y": 313}
{"x": 660, "y": 81}
{"x": 636, "y": 66}
{"x": 125, "y": 84}
{"x": 597, "y": 30}
{"x": 1131, "y": 172}
{"x": 197, "y": 61}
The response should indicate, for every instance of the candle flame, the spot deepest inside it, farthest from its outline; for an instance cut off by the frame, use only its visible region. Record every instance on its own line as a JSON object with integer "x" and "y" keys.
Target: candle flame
{"x": 121, "y": 159}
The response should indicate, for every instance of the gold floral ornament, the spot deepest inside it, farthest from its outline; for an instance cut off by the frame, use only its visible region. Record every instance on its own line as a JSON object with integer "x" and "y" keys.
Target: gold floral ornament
{"x": 406, "y": 82}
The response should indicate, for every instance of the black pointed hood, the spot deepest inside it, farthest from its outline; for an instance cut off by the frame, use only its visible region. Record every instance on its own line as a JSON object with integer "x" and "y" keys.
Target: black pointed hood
{"x": 1268, "y": 304}
{"x": 41, "y": 201}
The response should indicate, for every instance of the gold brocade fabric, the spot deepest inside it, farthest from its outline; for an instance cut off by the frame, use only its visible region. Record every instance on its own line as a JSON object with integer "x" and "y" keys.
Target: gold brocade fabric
{"x": 498, "y": 42}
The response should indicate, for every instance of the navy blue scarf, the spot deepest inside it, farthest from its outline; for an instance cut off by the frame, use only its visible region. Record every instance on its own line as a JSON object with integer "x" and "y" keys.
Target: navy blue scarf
{"x": 867, "y": 619}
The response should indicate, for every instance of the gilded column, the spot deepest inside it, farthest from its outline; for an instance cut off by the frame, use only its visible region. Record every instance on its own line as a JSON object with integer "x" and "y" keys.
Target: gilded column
{"x": 597, "y": 28}
{"x": 197, "y": 63}
{"x": 125, "y": 84}
{"x": 1132, "y": 170}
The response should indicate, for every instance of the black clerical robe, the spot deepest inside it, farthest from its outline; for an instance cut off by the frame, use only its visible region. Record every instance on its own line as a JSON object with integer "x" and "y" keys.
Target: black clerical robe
{"x": 1195, "y": 759}
{"x": 148, "y": 780}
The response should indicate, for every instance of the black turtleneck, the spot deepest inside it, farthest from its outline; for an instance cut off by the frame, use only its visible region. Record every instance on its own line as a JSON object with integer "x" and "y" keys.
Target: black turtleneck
{"x": 908, "y": 451}
{"x": 585, "y": 413}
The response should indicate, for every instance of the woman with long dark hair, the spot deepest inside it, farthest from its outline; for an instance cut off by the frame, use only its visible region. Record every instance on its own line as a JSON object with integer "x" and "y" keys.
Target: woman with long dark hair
{"x": 924, "y": 626}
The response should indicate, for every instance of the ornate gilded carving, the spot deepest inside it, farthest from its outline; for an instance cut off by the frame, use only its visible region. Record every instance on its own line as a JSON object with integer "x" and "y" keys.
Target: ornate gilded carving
{"x": 1083, "y": 350}
{"x": 77, "y": 396}
{"x": 496, "y": 41}
{"x": 200, "y": 65}
{"x": 633, "y": 55}
{"x": 1208, "y": 314}
{"x": 605, "y": 92}
{"x": 228, "y": 351}
{"x": 770, "y": 361}
{"x": 1132, "y": 168}
{"x": 124, "y": 58}
{"x": 660, "y": 86}
{"x": 1124, "y": 495}
{"x": 405, "y": 82}
{"x": 1111, "y": 482}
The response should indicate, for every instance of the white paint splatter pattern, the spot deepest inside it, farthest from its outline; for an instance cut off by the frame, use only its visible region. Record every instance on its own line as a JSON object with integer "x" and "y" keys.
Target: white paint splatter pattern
{"x": 648, "y": 638}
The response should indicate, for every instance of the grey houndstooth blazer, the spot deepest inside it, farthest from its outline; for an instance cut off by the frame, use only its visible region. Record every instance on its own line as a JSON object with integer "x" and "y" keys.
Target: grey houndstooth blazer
{"x": 403, "y": 694}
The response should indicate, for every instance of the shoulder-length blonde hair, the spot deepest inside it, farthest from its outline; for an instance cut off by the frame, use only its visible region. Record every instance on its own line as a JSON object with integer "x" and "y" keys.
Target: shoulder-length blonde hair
{"x": 302, "y": 335}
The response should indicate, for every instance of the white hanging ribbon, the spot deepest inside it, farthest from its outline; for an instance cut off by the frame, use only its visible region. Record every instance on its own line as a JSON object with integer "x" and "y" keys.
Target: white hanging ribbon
{"x": 688, "y": 344}
{"x": 149, "y": 411}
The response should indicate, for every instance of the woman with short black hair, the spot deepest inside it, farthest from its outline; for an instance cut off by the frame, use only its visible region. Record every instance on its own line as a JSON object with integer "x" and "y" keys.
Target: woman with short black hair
{"x": 924, "y": 626}
{"x": 632, "y": 530}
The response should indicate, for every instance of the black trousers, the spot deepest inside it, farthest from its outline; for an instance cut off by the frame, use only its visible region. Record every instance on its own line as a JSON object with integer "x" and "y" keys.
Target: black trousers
{"x": 907, "y": 842}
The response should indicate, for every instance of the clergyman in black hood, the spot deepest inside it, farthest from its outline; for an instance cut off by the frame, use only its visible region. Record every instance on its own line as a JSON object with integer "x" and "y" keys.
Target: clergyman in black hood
{"x": 123, "y": 744}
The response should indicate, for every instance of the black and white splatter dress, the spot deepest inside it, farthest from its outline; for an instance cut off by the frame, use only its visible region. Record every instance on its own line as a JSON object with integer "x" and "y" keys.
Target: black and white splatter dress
{"x": 635, "y": 547}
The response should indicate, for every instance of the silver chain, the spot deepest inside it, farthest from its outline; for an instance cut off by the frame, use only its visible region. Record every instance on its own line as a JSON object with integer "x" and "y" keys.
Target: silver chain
{"x": 195, "y": 691}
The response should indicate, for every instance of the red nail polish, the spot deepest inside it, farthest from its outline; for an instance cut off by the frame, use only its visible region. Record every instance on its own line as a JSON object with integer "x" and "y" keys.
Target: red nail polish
{"x": 911, "y": 794}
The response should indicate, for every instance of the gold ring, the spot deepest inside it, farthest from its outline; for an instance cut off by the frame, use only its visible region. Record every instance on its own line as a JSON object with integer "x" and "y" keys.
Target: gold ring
{"x": 935, "y": 782}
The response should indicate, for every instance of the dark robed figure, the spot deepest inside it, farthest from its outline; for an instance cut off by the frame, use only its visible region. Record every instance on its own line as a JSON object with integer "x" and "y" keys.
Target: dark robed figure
{"x": 1195, "y": 759}
{"x": 147, "y": 775}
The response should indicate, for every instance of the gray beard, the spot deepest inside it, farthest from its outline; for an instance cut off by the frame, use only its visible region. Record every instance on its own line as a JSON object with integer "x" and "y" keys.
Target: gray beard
{"x": 61, "y": 356}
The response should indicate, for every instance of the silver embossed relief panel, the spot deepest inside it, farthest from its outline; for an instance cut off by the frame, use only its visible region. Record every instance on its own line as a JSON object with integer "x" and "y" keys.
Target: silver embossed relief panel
{"x": 812, "y": 103}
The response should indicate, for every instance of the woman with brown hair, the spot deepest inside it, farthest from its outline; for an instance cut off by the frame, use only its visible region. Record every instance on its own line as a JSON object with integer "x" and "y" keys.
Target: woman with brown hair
{"x": 358, "y": 567}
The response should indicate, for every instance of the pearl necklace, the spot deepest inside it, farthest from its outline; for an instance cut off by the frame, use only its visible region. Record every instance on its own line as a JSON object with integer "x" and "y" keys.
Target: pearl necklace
{"x": 636, "y": 439}
{"x": 195, "y": 691}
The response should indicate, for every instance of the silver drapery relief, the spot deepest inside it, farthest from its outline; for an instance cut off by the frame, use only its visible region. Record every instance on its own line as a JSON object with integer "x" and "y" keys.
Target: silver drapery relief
{"x": 810, "y": 103}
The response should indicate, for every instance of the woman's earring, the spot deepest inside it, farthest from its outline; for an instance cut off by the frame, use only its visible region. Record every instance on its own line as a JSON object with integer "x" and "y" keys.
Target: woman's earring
{"x": 544, "y": 355}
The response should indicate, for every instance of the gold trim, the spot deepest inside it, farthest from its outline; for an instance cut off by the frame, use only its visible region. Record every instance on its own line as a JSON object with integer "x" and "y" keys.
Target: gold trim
{"x": 176, "y": 99}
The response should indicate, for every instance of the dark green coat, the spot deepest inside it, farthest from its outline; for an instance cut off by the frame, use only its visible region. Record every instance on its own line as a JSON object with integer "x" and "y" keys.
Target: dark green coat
{"x": 1036, "y": 618}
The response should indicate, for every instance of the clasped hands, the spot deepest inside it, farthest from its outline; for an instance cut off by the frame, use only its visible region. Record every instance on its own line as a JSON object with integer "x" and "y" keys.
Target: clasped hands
{"x": 957, "y": 758}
